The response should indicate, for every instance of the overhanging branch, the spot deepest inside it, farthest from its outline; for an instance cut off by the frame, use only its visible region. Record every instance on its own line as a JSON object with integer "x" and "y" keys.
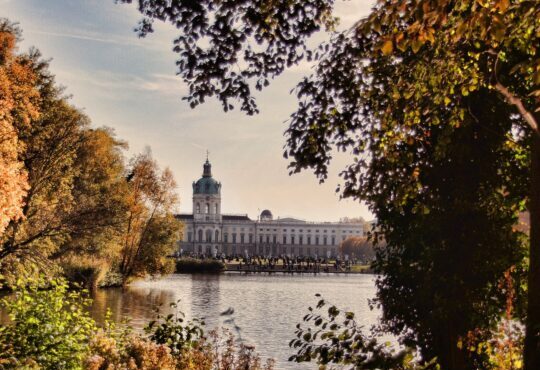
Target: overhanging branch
{"x": 526, "y": 114}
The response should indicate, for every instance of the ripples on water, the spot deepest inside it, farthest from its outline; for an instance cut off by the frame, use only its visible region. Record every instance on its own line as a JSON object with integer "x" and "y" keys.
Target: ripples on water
{"x": 266, "y": 307}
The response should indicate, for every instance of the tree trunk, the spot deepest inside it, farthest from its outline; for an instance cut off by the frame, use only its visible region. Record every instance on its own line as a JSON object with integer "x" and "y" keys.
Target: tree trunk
{"x": 456, "y": 359}
{"x": 532, "y": 336}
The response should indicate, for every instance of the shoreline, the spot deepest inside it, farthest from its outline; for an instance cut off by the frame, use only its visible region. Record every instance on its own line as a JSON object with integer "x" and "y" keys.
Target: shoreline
{"x": 285, "y": 272}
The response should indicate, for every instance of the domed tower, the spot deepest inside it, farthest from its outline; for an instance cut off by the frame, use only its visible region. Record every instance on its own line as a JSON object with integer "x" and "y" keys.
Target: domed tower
{"x": 207, "y": 196}
{"x": 266, "y": 215}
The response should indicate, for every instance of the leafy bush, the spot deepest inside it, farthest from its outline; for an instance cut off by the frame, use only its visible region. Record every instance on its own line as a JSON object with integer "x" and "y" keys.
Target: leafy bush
{"x": 49, "y": 328}
{"x": 193, "y": 265}
{"x": 137, "y": 353}
{"x": 227, "y": 355}
{"x": 173, "y": 331}
{"x": 195, "y": 351}
{"x": 334, "y": 337}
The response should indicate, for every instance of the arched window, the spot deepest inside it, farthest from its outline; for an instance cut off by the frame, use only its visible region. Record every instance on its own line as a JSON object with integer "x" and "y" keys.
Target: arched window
{"x": 200, "y": 235}
{"x": 208, "y": 236}
{"x": 217, "y": 236}
{"x": 198, "y": 208}
{"x": 216, "y": 209}
{"x": 207, "y": 208}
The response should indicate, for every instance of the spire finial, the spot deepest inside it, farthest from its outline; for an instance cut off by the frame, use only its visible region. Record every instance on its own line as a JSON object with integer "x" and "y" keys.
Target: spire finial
{"x": 207, "y": 153}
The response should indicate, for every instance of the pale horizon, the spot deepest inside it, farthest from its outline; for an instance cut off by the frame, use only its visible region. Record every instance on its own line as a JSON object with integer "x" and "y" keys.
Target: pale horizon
{"x": 129, "y": 84}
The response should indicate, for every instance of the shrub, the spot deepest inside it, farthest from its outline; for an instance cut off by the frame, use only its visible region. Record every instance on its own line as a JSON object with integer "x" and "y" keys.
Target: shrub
{"x": 49, "y": 328}
{"x": 193, "y": 265}
{"x": 227, "y": 355}
{"x": 107, "y": 353}
{"x": 334, "y": 337}
{"x": 174, "y": 331}
{"x": 84, "y": 270}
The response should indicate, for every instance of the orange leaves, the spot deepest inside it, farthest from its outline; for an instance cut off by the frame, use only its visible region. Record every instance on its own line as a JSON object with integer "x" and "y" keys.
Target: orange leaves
{"x": 502, "y": 5}
{"x": 387, "y": 47}
{"x": 18, "y": 101}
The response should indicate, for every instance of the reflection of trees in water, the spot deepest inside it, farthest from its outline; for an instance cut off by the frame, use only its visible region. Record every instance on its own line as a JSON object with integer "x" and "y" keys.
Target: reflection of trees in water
{"x": 206, "y": 304}
{"x": 137, "y": 305}
{"x": 205, "y": 298}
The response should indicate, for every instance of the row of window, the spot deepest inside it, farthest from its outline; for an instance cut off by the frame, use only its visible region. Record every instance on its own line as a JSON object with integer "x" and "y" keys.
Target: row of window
{"x": 317, "y": 230}
{"x": 269, "y": 239}
{"x": 269, "y": 250}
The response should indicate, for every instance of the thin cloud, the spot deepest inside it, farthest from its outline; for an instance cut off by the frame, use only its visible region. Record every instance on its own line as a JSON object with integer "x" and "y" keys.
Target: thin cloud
{"x": 96, "y": 37}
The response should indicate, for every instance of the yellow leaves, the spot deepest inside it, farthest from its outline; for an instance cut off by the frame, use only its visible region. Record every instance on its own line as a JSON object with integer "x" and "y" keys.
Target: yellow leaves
{"x": 387, "y": 47}
{"x": 447, "y": 100}
{"x": 460, "y": 30}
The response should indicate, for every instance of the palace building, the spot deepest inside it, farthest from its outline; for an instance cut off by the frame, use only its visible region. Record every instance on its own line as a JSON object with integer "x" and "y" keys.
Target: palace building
{"x": 209, "y": 231}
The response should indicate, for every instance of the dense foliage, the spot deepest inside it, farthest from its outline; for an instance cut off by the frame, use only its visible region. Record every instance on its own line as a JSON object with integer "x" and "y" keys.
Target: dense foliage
{"x": 49, "y": 328}
{"x": 18, "y": 100}
{"x": 330, "y": 336}
{"x": 438, "y": 103}
{"x": 69, "y": 201}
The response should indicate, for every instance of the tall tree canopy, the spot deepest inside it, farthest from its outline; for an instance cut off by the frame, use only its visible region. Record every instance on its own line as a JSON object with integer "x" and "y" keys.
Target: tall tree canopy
{"x": 18, "y": 101}
{"x": 419, "y": 91}
{"x": 66, "y": 200}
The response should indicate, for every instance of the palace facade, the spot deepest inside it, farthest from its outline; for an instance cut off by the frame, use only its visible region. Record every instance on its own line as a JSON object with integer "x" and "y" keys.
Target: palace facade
{"x": 209, "y": 231}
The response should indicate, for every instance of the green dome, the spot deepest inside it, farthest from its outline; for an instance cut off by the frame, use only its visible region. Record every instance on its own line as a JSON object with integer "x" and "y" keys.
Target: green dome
{"x": 206, "y": 184}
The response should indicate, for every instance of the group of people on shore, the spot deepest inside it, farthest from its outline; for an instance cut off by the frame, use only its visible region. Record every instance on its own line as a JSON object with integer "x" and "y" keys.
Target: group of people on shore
{"x": 283, "y": 263}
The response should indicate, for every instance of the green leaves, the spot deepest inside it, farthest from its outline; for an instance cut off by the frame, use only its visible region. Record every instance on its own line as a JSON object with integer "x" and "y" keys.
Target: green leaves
{"x": 173, "y": 332}
{"x": 50, "y": 327}
{"x": 341, "y": 341}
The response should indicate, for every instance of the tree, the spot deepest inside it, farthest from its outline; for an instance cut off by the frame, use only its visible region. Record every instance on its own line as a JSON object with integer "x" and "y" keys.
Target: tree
{"x": 490, "y": 45}
{"x": 51, "y": 147}
{"x": 100, "y": 196}
{"x": 359, "y": 246}
{"x": 399, "y": 90}
{"x": 150, "y": 231}
{"x": 18, "y": 101}
{"x": 47, "y": 131}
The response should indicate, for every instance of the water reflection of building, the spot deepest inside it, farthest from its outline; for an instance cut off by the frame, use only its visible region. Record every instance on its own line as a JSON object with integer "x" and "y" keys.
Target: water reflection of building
{"x": 208, "y": 230}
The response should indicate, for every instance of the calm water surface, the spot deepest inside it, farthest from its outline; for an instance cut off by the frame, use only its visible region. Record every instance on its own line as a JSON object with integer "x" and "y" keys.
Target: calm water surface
{"x": 266, "y": 307}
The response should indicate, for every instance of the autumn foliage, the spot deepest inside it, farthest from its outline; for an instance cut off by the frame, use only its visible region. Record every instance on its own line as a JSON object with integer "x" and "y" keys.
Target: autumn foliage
{"x": 18, "y": 102}
{"x": 70, "y": 202}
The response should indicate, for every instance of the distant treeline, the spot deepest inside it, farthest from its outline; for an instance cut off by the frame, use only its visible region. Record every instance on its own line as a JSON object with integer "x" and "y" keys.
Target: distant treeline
{"x": 70, "y": 202}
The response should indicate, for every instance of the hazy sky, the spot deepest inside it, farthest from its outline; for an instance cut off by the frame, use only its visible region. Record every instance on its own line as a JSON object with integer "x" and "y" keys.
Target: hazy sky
{"x": 129, "y": 84}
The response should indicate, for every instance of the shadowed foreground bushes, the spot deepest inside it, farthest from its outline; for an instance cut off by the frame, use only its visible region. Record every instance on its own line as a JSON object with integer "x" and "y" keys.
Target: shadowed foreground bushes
{"x": 193, "y": 265}
{"x": 51, "y": 329}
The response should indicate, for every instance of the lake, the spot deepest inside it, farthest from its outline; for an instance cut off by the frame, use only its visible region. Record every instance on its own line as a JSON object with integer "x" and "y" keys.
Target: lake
{"x": 266, "y": 307}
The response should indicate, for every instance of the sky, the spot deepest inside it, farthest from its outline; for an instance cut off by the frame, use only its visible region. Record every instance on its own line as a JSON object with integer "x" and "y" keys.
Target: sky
{"x": 130, "y": 85}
